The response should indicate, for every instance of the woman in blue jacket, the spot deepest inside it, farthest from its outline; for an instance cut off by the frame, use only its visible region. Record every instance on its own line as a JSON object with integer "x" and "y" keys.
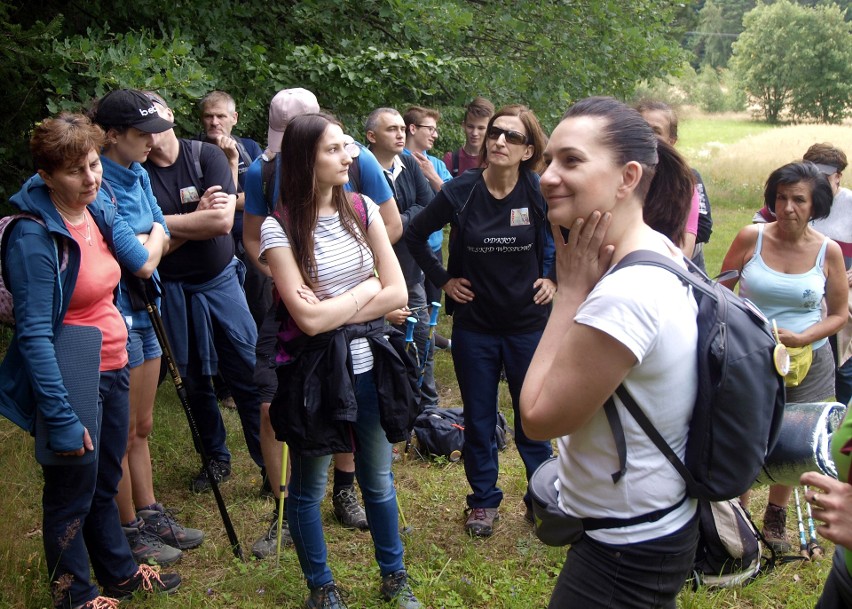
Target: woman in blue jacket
{"x": 61, "y": 270}
{"x": 129, "y": 137}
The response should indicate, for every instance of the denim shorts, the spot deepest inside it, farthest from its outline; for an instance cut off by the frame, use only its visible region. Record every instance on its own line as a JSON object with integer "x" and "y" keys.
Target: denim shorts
{"x": 142, "y": 345}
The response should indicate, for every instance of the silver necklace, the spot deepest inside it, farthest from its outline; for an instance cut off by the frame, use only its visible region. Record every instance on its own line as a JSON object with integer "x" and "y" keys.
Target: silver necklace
{"x": 88, "y": 234}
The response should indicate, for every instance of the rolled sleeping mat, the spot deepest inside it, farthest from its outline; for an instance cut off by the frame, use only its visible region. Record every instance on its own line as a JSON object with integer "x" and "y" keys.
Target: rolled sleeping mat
{"x": 803, "y": 443}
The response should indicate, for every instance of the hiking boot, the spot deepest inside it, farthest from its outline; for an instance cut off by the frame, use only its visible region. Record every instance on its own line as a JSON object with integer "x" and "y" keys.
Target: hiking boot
{"x": 442, "y": 342}
{"x": 221, "y": 471}
{"x": 160, "y": 522}
{"x": 348, "y": 510}
{"x": 265, "y": 485}
{"x": 101, "y": 602}
{"x": 325, "y": 597}
{"x": 480, "y": 521}
{"x": 147, "y": 579}
{"x": 529, "y": 515}
{"x": 267, "y": 545}
{"x": 397, "y": 588}
{"x": 147, "y": 548}
{"x": 775, "y": 528}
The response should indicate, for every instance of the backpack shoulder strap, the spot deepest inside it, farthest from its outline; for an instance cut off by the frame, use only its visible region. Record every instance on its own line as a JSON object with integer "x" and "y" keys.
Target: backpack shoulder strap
{"x": 645, "y": 423}
{"x": 355, "y": 176}
{"x": 267, "y": 176}
{"x": 195, "y": 146}
{"x": 358, "y": 204}
{"x": 244, "y": 155}
{"x": 455, "y": 170}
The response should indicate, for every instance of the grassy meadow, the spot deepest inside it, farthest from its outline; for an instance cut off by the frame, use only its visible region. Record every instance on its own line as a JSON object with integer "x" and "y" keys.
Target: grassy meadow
{"x": 510, "y": 570}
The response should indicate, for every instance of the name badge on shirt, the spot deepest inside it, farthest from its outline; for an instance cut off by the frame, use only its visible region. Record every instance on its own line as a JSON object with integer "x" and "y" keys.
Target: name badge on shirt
{"x": 520, "y": 217}
{"x": 189, "y": 195}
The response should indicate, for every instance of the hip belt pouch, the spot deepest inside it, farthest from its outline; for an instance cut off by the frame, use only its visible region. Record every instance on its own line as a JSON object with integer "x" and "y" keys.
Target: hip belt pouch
{"x": 554, "y": 527}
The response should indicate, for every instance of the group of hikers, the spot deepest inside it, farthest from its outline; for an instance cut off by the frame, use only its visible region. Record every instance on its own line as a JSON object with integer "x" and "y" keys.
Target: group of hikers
{"x": 286, "y": 277}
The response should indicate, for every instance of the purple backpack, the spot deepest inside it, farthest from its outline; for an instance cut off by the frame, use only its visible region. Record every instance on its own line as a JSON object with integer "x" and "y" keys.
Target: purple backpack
{"x": 7, "y": 309}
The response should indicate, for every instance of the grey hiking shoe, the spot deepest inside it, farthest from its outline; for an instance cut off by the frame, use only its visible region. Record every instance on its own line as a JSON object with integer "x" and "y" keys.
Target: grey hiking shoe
{"x": 267, "y": 545}
{"x": 775, "y": 528}
{"x": 147, "y": 548}
{"x": 348, "y": 510}
{"x": 480, "y": 521}
{"x": 397, "y": 588}
{"x": 221, "y": 471}
{"x": 325, "y": 597}
{"x": 161, "y": 523}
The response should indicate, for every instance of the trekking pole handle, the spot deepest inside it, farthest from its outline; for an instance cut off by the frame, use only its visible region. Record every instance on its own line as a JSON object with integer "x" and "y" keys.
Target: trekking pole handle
{"x": 410, "y": 322}
{"x": 433, "y": 319}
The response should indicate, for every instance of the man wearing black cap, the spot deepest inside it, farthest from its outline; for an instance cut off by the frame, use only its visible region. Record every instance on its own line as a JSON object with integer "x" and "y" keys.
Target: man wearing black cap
{"x": 204, "y": 307}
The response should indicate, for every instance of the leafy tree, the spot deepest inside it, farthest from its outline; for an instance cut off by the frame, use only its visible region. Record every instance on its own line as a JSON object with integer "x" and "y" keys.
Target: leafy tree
{"x": 353, "y": 55}
{"x": 797, "y": 58}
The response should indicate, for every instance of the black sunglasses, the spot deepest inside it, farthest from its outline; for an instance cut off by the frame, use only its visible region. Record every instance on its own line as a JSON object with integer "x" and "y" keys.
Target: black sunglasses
{"x": 512, "y": 137}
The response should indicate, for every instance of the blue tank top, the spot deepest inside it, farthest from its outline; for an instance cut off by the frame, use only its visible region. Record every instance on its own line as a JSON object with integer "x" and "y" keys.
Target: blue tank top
{"x": 792, "y": 300}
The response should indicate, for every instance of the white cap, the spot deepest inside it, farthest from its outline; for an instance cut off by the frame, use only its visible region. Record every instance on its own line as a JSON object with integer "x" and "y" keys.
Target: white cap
{"x": 286, "y": 104}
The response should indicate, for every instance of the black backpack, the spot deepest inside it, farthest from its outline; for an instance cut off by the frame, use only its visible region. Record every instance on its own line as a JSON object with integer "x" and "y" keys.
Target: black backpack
{"x": 440, "y": 432}
{"x": 740, "y": 401}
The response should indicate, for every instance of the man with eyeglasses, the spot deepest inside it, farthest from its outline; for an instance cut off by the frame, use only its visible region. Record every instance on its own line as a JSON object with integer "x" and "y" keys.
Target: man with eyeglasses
{"x": 421, "y": 132}
{"x": 386, "y": 134}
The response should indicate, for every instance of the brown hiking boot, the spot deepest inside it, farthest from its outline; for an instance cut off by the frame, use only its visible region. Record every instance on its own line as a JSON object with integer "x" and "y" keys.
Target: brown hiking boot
{"x": 775, "y": 528}
{"x": 480, "y": 521}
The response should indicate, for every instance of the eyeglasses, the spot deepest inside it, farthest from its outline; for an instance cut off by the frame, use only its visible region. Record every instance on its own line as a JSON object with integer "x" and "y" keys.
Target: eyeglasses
{"x": 432, "y": 129}
{"x": 352, "y": 147}
{"x": 512, "y": 137}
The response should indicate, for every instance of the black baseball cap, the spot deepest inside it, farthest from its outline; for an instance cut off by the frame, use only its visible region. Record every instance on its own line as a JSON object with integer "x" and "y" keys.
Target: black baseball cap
{"x": 130, "y": 108}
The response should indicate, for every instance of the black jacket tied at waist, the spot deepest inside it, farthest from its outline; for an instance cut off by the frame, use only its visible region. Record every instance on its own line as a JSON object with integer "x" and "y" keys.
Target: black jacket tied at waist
{"x": 315, "y": 405}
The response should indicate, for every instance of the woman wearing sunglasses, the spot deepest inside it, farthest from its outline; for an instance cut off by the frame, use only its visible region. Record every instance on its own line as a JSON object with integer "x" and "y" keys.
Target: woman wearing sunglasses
{"x": 498, "y": 291}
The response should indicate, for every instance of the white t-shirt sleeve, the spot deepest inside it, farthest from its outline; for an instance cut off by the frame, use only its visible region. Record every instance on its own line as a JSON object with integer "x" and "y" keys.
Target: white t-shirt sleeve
{"x": 624, "y": 308}
{"x": 271, "y": 236}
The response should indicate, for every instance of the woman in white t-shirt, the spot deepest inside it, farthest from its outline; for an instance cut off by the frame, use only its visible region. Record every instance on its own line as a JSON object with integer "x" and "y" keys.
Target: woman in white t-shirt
{"x": 635, "y": 327}
{"x": 337, "y": 275}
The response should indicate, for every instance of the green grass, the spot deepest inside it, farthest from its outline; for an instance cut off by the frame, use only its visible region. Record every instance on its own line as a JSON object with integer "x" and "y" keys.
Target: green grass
{"x": 510, "y": 570}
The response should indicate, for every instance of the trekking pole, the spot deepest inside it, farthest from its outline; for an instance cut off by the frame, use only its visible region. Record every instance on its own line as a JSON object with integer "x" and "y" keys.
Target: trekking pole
{"x": 160, "y": 331}
{"x": 406, "y": 530}
{"x": 282, "y": 488}
{"x": 803, "y": 542}
{"x": 429, "y": 347}
{"x": 814, "y": 548}
{"x": 411, "y": 348}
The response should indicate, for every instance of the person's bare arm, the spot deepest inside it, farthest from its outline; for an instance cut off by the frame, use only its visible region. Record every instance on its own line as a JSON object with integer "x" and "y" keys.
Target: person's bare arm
{"x": 390, "y": 216}
{"x": 251, "y": 240}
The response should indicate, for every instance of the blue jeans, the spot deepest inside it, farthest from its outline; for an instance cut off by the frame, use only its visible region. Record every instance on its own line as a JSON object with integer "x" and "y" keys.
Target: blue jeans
{"x": 638, "y": 576}
{"x": 201, "y": 396}
{"x": 478, "y": 359}
{"x": 80, "y": 498}
{"x": 373, "y": 454}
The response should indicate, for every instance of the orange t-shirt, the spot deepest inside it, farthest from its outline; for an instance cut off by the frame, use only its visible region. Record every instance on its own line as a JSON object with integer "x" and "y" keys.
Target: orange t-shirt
{"x": 92, "y": 302}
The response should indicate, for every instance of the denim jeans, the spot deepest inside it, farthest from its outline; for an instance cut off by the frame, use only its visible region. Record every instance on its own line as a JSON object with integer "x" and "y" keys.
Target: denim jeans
{"x": 478, "y": 359}
{"x": 201, "y": 396}
{"x": 638, "y": 576}
{"x": 373, "y": 454}
{"x": 81, "y": 499}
